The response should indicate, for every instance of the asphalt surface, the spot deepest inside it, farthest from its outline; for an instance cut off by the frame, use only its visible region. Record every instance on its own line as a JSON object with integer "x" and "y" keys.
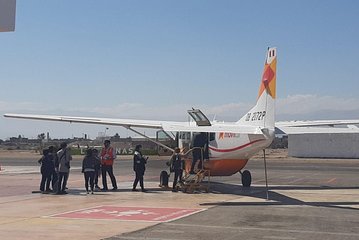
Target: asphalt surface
{"x": 308, "y": 199}
{"x": 283, "y": 216}
{"x": 294, "y": 172}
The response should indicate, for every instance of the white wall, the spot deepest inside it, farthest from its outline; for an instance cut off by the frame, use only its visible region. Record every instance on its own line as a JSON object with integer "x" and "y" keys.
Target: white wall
{"x": 324, "y": 145}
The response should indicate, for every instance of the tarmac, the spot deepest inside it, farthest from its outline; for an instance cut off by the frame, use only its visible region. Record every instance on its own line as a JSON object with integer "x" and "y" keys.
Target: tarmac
{"x": 308, "y": 198}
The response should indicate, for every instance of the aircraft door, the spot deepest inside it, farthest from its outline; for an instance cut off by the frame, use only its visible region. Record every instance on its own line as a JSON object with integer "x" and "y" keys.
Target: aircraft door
{"x": 211, "y": 142}
{"x": 201, "y": 140}
{"x": 184, "y": 140}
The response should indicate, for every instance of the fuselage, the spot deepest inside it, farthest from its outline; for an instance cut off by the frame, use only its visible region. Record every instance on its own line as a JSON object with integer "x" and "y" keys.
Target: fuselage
{"x": 228, "y": 153}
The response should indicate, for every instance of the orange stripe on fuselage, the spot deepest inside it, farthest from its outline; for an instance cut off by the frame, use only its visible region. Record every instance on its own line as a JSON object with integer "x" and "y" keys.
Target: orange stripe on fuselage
{"x": 221, "y": 167}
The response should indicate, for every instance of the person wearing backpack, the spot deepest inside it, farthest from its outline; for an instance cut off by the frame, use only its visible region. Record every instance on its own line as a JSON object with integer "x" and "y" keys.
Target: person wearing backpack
{"x": 139, "y": 166}
{"x": 88, "y": 169}
{"x": 47, "y": 168}
{"x": 54, "y": 177}
{"x": 64, "y": 158}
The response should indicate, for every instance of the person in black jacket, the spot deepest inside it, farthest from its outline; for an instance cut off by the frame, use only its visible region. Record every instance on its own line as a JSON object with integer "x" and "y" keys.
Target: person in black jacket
{"x": 198, "y": 145}
{"x": 47, "y": 168}
{"x": 88, "y": 168}
{"x": 177, "y": 165}
{"x": 54, "y": 177}
{"x": 139, "y": 166}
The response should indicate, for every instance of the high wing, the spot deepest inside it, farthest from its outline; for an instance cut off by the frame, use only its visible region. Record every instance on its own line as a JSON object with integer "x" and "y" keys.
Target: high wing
{"x": 127, "y": 123}
{"x": 318, "y": 126}
{"x": 287, "y": 127}
{"x": 168, "y": 126}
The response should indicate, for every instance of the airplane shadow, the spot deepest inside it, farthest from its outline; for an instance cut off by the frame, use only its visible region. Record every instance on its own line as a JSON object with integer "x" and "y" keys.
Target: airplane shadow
{"x": 275, "y": 198}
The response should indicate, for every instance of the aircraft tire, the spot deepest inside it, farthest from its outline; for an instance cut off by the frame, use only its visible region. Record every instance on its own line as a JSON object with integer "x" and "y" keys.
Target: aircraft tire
{"x": 164, "y": 179}
{"x": 246, "y": 178}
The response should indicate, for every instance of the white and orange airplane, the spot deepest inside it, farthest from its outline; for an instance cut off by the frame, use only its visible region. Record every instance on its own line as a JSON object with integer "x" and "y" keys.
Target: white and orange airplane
{"x": 227, "y": 146}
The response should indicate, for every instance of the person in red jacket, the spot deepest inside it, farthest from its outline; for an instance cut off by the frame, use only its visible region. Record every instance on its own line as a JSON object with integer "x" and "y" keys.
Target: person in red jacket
{"x": 108, "y": 155}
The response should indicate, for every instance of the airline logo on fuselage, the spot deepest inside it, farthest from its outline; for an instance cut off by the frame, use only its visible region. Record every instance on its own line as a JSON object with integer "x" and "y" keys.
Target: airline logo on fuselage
{"x": 224, "y": 135}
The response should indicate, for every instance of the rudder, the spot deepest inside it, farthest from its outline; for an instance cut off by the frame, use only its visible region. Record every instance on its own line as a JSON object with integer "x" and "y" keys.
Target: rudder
{"x": 263, "y": 113}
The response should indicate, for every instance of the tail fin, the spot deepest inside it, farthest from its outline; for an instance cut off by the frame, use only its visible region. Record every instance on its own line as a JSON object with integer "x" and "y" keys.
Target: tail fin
{"x": 262, "y": 114}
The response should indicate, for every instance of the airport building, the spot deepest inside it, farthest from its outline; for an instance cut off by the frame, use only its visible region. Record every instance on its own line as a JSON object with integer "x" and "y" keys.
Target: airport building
{"x": 324, "y": 145}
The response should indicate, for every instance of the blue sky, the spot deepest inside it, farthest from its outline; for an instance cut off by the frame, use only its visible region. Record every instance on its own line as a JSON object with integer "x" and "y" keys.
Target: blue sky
{"x": 156, "y": 59}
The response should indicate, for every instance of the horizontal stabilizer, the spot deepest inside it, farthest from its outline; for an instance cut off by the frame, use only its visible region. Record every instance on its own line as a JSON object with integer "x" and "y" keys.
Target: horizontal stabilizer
{"x": 316, "y": 123}
{"x": 319, "y": 126}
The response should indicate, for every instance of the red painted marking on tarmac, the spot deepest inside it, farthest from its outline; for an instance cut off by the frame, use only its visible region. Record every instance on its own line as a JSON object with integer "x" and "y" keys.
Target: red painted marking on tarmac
{"x": 129, "y": 213}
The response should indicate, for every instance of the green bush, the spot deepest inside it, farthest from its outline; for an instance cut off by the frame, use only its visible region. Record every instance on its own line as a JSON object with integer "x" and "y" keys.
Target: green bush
{"x": 75, "y": 151}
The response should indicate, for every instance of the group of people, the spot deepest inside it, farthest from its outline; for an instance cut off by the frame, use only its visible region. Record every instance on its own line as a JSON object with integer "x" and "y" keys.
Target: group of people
{"x": 55, "y": 168}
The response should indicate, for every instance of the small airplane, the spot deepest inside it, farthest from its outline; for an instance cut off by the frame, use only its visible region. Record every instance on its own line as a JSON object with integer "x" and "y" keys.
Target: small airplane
{"x": 226, "y": 147}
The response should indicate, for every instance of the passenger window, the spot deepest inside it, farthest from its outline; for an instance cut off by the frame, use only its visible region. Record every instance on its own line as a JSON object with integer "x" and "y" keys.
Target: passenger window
{"x": 212, "y": 136}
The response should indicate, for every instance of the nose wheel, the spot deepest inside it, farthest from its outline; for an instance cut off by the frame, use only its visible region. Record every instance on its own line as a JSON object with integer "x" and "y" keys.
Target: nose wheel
{"x": 246, "y": 178}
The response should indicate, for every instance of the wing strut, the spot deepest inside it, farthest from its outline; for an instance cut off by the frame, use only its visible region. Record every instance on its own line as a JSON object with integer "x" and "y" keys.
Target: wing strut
{"x": 148, "y": 138}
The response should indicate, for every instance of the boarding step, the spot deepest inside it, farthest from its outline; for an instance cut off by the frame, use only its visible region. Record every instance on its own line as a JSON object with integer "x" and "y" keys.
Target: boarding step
{"x": 195, "y": 182}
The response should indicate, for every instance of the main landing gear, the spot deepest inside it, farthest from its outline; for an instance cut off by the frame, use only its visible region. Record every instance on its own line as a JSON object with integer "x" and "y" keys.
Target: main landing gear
{"x": 246, "y": 178}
